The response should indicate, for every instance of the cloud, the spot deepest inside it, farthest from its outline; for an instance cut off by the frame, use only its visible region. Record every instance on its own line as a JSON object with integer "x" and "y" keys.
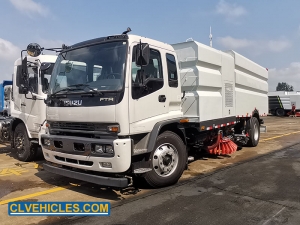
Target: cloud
{"x": 234, "y": 43}
{"x": 290, "y": 75}
{"x": 230, "y": 11}
{"x": 9, "y": 53}
{"x": 256, "y": 46}
{"x": 29, "y": 7}
{"x": 278, "y": 45}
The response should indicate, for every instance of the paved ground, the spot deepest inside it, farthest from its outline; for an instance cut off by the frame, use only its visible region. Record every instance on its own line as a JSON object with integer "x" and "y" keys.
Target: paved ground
{"x": 29, "y": 182}
{"x": 262, "y": 191}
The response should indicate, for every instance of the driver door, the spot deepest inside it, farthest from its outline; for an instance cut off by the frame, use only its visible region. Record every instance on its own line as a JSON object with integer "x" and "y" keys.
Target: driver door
{"x": 148, "y": 104}
{"x": 29, "y": 107}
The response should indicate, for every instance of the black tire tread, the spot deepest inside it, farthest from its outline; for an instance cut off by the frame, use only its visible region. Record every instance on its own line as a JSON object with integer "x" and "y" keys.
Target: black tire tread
{"x": 277, "y": 112}
{"x": 30, "y": 152}
{"x": 250, "y": 124}
{"x": 152, "y": 178}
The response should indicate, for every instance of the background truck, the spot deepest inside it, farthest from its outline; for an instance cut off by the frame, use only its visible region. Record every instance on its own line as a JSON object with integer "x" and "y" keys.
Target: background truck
{"x": 5, "y": 97}
{"x": 149, "y": 106}
{"x": 26, "y": 113}
{"x": 280, "y": 102}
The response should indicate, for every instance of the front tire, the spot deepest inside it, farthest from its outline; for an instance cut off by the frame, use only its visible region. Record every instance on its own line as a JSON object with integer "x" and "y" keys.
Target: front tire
{"x": 253, "y": 130}
{"x": 24, "y": 151}
{"x": 168, "y": 160}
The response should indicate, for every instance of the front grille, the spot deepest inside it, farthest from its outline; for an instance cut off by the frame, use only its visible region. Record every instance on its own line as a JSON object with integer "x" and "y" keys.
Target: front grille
{"x": 78, "y": 126}
{"x": 74, "y": 161}
{"x": 88, "y": 130}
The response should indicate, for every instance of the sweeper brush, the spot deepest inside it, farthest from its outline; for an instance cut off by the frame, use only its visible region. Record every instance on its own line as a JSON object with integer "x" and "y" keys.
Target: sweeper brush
{"x": 223, "y": 146}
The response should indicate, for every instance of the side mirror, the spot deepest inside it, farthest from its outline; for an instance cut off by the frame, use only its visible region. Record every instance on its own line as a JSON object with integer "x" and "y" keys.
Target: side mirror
{"x": 22, "y": 77}
{"x": 142, "y": 54}
{"x": 23, "y": 90}
{"x": 34, "y": 49}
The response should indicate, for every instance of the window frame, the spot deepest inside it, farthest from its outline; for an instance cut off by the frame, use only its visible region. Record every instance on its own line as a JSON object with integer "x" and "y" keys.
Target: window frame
{"x": 159, "y": 68}
{"x": 170, "y": 81}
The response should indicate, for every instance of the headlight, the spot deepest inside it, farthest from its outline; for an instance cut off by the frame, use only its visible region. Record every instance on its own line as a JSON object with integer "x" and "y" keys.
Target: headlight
{"x": 99, "y": 149}
{"x": 46, "y": 141}
{"x": 109, "y": 149}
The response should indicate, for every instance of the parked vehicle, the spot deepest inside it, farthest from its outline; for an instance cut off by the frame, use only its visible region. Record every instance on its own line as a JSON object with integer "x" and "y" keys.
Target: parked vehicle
{"x": 150, "y": 104}
{"x": 5, "y": 97}
{"x": 281, "y": 102}
{"x": 25, "y": 113}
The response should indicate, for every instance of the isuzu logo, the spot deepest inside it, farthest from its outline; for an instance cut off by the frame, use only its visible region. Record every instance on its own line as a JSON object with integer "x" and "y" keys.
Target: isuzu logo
{"x": 72, "y": 102}
{"x": 107, "y": 99}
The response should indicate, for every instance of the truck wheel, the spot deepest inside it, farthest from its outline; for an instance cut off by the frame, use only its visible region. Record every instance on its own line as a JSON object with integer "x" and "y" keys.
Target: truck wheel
{"x": 280, "y": 112}
{"x": 253, "y": 130}
{"x": 23, "y": 149}
{"x": 168, "y": 160}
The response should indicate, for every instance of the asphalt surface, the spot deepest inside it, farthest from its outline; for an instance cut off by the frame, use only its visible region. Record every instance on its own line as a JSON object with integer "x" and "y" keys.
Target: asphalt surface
{"x": 261, "y": 191}
{"x": 21, "y": 181}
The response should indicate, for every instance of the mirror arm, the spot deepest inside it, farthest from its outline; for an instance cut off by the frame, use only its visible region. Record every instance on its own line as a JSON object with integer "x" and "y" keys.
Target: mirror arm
{"x": 27, "y": 97}
{"x": 36, "y": 95}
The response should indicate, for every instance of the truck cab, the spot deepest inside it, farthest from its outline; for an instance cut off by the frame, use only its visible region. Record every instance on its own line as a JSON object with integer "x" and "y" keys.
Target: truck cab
{"x": 98, "y": 123}
{"x": 27, "y": 112}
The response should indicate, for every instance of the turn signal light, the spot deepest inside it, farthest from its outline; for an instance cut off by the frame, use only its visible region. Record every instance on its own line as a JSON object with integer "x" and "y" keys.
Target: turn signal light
{"x": 113, "y": 128}
{"x": 184, "y": 120}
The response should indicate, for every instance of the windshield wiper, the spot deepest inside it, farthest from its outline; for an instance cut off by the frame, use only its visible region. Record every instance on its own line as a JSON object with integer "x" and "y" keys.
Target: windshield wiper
{"x": 76, "y": 87}
{"x": 67, "y": 89}
{"x": 86, "y": 86}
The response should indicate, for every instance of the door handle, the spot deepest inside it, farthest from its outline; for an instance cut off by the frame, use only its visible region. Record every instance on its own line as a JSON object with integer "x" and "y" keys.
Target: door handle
{"x": 162, "y": 98}
{"x": 23, "y": 104}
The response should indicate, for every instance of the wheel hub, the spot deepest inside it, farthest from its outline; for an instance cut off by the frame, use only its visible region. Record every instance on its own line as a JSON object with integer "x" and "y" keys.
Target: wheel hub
{"x": 20, "y": 143}
{"x": 165, "y": 160}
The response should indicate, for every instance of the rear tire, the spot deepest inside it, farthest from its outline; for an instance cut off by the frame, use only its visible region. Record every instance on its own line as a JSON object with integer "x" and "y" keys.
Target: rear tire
{"x": 168, "y": 160}
{"x": 253, "y": 130}
{"x": 280, "y": 112}
{"x": 24, "y": 151}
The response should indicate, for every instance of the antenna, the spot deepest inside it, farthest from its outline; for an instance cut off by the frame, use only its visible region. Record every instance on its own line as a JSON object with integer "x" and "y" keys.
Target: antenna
{"x": 128, "y": 30}
{"x": 210, "y": 37}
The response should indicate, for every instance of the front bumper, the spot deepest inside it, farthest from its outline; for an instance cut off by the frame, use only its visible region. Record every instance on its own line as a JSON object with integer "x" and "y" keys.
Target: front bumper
{"x": 100, "y": 180}
{"x": 86, "y": 160}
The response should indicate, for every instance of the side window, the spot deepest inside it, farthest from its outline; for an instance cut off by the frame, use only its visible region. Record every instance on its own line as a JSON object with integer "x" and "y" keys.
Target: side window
{"x": 150, "y": 76}
{"x": 45, "y": 78}
{"x": 172, "y": 71}
{"x": 33, "y": 79}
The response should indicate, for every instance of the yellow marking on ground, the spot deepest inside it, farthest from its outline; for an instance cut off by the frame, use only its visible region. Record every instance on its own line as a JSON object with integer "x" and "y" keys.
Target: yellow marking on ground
{"x": 38, "y": 166}
{"x": 279, "y": 136}
{"x": 12, "y": 171}
{"x": 35, "y": 194}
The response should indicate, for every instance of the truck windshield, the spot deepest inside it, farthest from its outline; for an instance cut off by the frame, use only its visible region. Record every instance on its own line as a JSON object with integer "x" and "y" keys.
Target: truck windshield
{"x": 100, "y": 67}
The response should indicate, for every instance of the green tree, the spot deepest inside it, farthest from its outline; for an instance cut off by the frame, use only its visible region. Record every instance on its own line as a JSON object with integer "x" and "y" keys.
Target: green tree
{"x": 282, "y": 86}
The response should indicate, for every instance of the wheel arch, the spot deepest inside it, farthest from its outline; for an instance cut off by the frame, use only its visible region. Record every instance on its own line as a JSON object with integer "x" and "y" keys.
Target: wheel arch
{"x": 160, "y": 127}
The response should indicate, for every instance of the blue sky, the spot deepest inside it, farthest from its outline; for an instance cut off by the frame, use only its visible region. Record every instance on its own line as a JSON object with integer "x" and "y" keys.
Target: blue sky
{"x": 267, "y": 32}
